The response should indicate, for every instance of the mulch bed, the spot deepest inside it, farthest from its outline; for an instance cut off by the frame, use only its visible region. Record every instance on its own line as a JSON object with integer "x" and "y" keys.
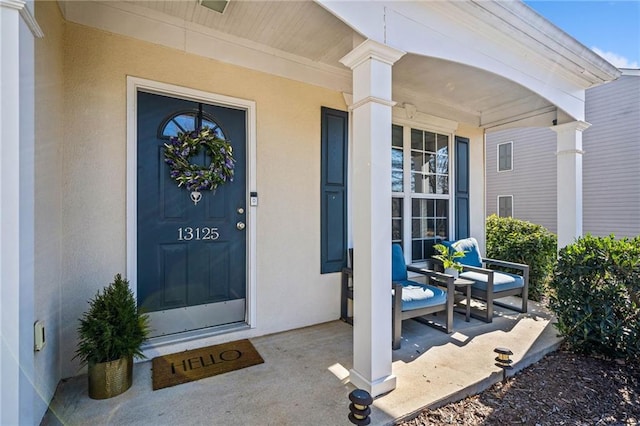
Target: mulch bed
{"x": 561, "y": 389}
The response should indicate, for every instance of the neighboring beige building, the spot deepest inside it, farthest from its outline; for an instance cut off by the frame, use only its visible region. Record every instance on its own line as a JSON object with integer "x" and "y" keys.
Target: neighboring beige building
{"x": 316, "y": 97}
{"x": 521, "y": 165}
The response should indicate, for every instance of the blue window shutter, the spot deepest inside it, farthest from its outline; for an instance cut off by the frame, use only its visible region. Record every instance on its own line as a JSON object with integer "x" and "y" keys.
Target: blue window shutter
{"x": 462, "y": 187}
{"x": 333, "y": 190}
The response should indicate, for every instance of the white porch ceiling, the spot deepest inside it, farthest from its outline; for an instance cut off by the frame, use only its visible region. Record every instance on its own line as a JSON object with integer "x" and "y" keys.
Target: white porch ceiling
{"x": 305, "y": 33}
{"x": 300, "y": 28}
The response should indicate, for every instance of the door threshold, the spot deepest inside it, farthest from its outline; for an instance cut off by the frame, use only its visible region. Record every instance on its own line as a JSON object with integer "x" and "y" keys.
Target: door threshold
{"x": 155, "y": 343}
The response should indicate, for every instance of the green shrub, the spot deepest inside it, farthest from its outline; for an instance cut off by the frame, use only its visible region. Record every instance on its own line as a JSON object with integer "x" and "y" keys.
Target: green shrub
{"x": 595, "y": 296}
{"x": 519, "y": 241}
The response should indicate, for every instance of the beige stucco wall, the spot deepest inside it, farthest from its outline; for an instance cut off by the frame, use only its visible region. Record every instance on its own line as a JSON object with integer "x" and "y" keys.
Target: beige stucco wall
{"x": 48, "y": 199}
{"x": 86, "y": 115}
{"x": 291, "y": 291}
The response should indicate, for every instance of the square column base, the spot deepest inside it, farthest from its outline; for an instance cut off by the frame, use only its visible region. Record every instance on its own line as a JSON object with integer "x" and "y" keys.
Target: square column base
{"x": 376, "y": 388}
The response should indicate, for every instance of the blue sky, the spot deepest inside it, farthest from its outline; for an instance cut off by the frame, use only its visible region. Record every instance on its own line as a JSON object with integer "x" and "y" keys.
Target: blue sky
{"x": 610, "y": 28}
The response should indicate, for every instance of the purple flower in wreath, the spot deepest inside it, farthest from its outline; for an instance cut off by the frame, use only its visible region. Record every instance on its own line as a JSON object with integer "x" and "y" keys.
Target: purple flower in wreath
{"x": 194, "y": 176}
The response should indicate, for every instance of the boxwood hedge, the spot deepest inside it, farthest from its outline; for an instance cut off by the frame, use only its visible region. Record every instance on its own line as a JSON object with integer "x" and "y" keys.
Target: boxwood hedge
{"x": 595, "y": 296}
{"x": 519, "y": 241}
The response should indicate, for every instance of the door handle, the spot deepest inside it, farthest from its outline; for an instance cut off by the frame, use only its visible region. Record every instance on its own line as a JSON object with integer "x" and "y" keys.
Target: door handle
{"x": 240, "y": 226}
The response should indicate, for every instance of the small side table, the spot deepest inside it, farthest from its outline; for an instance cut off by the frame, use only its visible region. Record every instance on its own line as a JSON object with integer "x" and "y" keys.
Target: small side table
{"x": 464, "y": 286}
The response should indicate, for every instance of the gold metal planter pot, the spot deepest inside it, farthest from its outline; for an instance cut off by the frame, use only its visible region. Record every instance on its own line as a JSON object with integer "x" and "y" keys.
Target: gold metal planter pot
{"x": 109, "y": 379}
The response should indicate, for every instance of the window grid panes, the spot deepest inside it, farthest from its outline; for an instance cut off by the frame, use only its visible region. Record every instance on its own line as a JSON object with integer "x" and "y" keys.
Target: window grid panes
{"x": 429, "y": 162}
{"x": 420, "y": 184}
{"x": 429, "y": 225}
{"x": 396, "y": 220}
{"x": 505, "y": 206}
{"x": 397, "y": 159}
{"x": 187, "y": 122}
{"x": 505, "y": 156}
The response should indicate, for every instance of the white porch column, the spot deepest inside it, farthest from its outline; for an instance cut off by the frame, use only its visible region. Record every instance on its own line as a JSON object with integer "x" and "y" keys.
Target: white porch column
{"x": 569, "y": 180}
{"x": 9, "y": 214}
{"x": 17, "y": 30}
{"x": 371, "y": 63}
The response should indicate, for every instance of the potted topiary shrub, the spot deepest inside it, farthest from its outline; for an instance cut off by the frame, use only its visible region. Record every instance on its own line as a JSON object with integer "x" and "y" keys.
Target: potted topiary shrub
{"x": 111, "y": 333}
{"x": 448, "y": 258}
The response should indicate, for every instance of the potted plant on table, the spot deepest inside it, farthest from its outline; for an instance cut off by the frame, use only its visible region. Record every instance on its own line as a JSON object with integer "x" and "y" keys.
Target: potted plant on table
{"x": 111, "y": 333}
{"x": 448, "y": 258}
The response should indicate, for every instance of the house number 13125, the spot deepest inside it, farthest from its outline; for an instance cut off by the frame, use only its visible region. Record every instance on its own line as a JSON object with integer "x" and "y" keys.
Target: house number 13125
{"x": 188, "y": 233}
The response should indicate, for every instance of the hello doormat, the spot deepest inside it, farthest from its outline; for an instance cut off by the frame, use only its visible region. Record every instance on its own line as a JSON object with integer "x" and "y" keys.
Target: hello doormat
{"x": 196, "y": 364}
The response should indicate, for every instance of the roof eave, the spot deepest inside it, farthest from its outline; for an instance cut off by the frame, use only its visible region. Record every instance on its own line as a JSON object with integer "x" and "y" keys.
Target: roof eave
{"x": 544, "y": 35}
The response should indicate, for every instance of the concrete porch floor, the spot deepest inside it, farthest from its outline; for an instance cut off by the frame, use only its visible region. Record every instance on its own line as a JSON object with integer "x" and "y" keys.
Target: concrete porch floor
{"x": 304, "y": 379}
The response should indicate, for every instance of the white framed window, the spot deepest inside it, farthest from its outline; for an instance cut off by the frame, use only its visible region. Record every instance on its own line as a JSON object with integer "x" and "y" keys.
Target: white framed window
{"x": 505, "y": 205}
{"x": 505, "y": 156}
{"x": 420, "y": 184}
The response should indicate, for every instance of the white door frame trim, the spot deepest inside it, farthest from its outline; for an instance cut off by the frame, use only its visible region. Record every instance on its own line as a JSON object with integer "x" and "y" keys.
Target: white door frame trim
{"x": 135, "y": 84}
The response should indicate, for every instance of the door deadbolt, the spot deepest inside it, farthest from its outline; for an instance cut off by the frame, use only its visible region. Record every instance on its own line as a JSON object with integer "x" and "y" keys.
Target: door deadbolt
{"x": 240, "y": 210}
{"x": 240, "y": 225}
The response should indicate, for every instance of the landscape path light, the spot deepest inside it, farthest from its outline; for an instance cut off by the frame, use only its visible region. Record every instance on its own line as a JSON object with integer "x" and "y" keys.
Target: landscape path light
{"x": 359, "y": 407}
{"x": 503, "y": 360}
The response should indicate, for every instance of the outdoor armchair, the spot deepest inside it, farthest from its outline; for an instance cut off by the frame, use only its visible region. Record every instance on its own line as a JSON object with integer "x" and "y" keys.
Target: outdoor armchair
{"x": 346, "y": 289}
{"x": 415, "y": 300}
{"x": 491, "y": 284}
{"x": 410, "y": 299}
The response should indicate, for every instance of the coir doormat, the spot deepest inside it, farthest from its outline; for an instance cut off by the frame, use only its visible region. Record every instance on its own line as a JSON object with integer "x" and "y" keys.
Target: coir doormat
{"x": 196, "y": 364}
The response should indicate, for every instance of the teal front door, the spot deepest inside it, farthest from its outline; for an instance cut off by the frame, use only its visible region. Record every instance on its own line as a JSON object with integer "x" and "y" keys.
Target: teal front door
{"x": 191, "y": 257}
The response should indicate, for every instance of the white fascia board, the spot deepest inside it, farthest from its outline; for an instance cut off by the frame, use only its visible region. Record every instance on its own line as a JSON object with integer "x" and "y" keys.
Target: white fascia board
{"x": 424, "y": 31}
{"x": 158, "y": 28}
{"x": 534, "y": 36}
{"x": 450, "y": 31}
{"x": 591, "y": 65}
{"x": 366, "y": 18}
{"x": 521, "y": 25}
